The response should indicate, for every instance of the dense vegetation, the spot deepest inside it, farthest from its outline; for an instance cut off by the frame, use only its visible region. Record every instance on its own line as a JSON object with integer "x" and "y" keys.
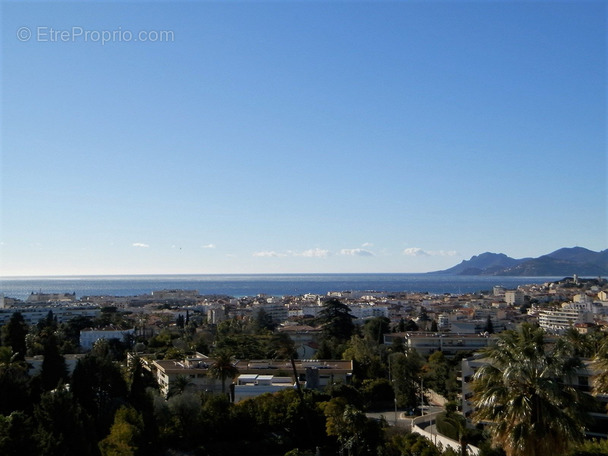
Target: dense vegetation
{"x": 108, "y": 406}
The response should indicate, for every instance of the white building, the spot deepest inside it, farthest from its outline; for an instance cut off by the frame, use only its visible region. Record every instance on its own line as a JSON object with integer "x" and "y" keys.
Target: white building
{"x": 311, "y": 373}
{"x": 558, "y": 321}
{"x": 515, "y": 297}
{"x": 62, "y": 312}
{"x": 277, "y": 310}
{"x": 88, "y": 337}
{"x": 450, "y": 344}
{"x": 363, "y": 311}
{"x": 252, "y": 385}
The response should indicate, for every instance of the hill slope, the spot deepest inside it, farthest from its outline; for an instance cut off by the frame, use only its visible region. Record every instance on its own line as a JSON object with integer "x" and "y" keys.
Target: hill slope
{"x": 562, "y": 262}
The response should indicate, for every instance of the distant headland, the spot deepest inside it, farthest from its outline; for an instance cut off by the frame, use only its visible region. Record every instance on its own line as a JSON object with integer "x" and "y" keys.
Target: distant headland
{"x": 562, "y": 262}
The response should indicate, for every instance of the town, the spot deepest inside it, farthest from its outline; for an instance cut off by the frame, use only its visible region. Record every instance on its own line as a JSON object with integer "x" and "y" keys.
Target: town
{"x": 407, "y": 359}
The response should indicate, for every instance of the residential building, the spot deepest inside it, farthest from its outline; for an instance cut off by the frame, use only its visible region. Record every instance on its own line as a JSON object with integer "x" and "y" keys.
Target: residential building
{"x": 515, "y": 298}
{"x": 51, "y": 297}
{"x": 88, "y": 337}
{"x": 559, "y": 320}
{"x": 304, "y": 339}
{"x": 62, "y": 312}
{"x": 450, "y": 344}
{"x": 252, "y": 385}
{"x": 175, "y": 295}
{"x": 311, "y": 373}
{"x": 276, "y": 309}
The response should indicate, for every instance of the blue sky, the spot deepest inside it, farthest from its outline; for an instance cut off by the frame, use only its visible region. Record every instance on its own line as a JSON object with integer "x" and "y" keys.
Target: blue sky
{"x": 320, "y": 136}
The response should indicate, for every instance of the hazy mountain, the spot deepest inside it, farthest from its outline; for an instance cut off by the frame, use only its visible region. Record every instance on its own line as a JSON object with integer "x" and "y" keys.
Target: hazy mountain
{"x": 562, "y": 262}
{"x": 483, "y": 264}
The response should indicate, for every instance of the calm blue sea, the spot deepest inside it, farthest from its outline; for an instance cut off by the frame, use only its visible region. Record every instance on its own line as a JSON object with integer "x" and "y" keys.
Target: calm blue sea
{"x": 253, "y": 284}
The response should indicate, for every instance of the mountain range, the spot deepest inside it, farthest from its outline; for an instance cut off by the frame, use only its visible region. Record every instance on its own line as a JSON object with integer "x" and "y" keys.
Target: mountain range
{"x": 563, "y": 262}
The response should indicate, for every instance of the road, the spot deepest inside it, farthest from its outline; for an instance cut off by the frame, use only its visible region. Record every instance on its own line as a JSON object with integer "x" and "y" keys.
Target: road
{"x": 401, "y": 419}
{"x": 392, "y": 419}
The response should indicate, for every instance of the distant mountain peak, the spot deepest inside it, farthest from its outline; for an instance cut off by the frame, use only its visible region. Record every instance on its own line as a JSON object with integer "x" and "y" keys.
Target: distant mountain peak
{"x": 564, "y": 261}
{"x": 481, "y": 264}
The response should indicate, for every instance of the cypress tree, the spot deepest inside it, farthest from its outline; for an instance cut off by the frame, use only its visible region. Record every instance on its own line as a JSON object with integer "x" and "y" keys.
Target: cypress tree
{"x": 54, "y": 369}
{"x": 14, "y": 335}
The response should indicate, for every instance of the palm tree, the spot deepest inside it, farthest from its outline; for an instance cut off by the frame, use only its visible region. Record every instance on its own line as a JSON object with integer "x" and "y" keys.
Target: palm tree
{"x": 284, "y": 348}
{"x": 454, "y": 425}
{"x": 522, "y": 397}
{"x": 223, "y": 367}
{"x": 600, "y": 365}
{"x": 179, "y": 385}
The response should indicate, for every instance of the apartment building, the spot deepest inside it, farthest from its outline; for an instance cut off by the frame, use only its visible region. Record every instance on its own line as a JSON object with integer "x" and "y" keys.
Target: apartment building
{"x": 558, "y": 321}
{"x": 515, "y": 298}
{"x": 62, "y": 312}
{"x": 252, "y": 385}
{"x": 426, "y": 343}
{"x": 311, "y": 373}
{"x": 88, "y": 337}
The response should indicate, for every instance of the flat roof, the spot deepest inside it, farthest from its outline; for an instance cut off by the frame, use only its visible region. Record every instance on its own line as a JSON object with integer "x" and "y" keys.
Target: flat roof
{"x": 248, "y": 376}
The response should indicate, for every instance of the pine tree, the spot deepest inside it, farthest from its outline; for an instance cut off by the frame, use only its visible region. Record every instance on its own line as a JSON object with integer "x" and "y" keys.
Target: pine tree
{"x": 336, "y": 320}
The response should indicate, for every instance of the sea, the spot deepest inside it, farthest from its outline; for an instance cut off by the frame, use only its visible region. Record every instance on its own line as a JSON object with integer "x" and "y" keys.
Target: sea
{"x": 239, "y": 285}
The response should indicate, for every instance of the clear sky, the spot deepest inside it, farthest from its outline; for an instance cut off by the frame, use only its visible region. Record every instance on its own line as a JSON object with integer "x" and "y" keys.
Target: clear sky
{"x": 308, "y": 136}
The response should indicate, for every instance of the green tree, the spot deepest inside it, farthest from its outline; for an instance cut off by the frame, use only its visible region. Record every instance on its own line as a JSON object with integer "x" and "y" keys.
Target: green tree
{"x": 489, "y": 327}
{"x": 100, "y": 388}
{"x": 581, "y": 345}
{"x": 71, "y": 329}
{"x": 590, "y": 448}
{"x": 63, "y": 427}
{"x": 242, "y": 346}
{"x": 14, "y": 383}
{"x": 375, "y": 328}
{"x": 413, "y": 444}
{"x": 125, "y": 438}
{"x": 283, "y": 347}
{"x": 600, "y": 365}
{"x": 263, "y": 322}
{"x": 521, "y": 394}
{"x": 223, "y": 367}
{"x": 49, "y": 322}
{"x": 336, "y": 320}
{"x": 179, "y": 385}
{"x": 378, "y": 393}
{"x": 423, "y": 319}
{"x": 142, "y": 385}
{"x": 367, "y": 356}
{"x": 17, "y": 435}
{"x": 410, "y": 325}
{"x": 183, "y": 428}
{"x": 54, "y": 369}
{"x": 439, "y": 375}
{"x": 14, "y": 335}
{"x": 454, "y": 426}
{"x": 405, "y": 373}
{"x": 356, "y": 434}
{"x": 325, "y": 350}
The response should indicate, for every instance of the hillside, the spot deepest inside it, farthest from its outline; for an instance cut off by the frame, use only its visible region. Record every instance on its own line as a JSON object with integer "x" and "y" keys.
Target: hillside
{"x": 562, "y": 262}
